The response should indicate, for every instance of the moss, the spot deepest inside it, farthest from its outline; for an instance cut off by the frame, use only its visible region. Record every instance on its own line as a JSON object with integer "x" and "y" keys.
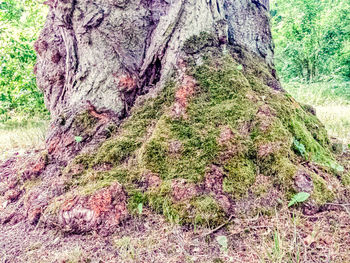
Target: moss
{"x": 261, "y": 189}
{"x": 338, "y": 147}
{"x": 309, "y": 109}
{"x": 156, "y": 157}
{"x": 117, "y": 150}
{"x": 240, "y": 176}
{"x": 200, "y": 210}
{"x": 321, "y": 193}
{"x": 136, "y": 198}
{"x": 203, "y": 210}
{"x": 284, "y": 171}
{"x": 227, "y": 96}
{"x": 345, "y": 179}
{"x": 197, "y": 43}
{"x": 84, "y": 122}
{"x": 315, "y": 147}
{"x": 159, "y": 200}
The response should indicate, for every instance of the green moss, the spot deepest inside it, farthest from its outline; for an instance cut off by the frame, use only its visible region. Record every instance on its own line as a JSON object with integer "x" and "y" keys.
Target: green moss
{"x": 240, "y": 176}
{"x": 84, "y": 122}
{"x": 200, "y": 210}
{"x": 116, "y": 150}
{"x": 136, "y": 198}
{"x": 321, "y": 193}
{"x": 345, "y": 179}
{"x": 227, "y": 96}
{"x": 197, "y": 43}
{"x": 203, "y": 210}
{"x": 284, "y": 171}
{"x": 156, "y": 157}
{"x": 159, "y": 200}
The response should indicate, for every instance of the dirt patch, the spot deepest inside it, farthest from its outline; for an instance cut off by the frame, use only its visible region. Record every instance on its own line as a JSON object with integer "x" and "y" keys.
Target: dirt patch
{"x": 268, "y": 149}
{"x": 183, "y": 190}
{"x": 152, "y": 180}
{"x": 182, "y": 97}
{"x": 266, "y": 117}
{"x": 214, "y": 180}
{"x": 226, "y": 141}
{"x": 303, "y": 181}
{"x": 226, "y": 135}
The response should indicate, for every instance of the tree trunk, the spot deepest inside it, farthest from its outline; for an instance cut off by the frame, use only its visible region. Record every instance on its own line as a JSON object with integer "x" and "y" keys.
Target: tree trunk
{"x": 171, "y": 104}
{"x": 101, "y": 56}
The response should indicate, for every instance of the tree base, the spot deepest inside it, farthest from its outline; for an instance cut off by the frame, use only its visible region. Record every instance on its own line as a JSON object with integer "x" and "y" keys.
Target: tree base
{"x": 222, "y": 139}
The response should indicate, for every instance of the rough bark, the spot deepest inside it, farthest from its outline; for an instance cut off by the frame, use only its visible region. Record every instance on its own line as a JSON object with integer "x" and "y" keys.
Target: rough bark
{"x": 100, "y": 56}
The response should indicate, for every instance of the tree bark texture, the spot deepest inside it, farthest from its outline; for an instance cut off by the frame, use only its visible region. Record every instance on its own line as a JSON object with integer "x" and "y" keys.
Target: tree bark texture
{"x": 101, "y": 56}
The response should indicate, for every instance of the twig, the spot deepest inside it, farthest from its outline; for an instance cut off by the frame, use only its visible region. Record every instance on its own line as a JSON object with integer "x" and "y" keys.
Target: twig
{"x": 250, "y": 228}
{"x": 342, "y": 205}
{"x": 218, "y": 228}
{"x": 337, "y": 204}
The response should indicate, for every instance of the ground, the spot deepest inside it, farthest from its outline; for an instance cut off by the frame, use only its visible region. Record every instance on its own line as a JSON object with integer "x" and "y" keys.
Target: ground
{"x": 286, "y": 236}
{"x": 277, "y": 234}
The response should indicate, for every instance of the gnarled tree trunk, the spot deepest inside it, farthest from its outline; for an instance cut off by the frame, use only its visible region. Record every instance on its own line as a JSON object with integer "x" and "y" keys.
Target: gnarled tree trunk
{"x": 101, "y": 56}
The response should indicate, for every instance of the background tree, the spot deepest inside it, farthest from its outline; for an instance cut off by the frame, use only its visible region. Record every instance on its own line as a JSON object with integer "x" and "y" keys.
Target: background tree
{"x": 20, "y": 23}
{"x": 312, "y": 39}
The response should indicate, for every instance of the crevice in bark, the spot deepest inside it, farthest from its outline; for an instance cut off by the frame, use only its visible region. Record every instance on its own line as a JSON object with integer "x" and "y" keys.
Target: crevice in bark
{"x": 258, "y": 3}
{"x": 151, "y": 77}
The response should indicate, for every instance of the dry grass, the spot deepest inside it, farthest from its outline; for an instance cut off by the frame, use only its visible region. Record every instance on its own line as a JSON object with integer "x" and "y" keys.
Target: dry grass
{"x": 286, "y": 236}
{"x": 20, "y": 135}
{"x": 332, "y": 103}
{"x": 337, "y": 120}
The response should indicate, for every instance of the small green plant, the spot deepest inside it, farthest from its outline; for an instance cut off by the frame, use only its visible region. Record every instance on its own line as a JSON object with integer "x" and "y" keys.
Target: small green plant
{"x": 299, "y": 198}
{"x": 299, "y": 148}
{"x": 223, "y": 242}
{"x": 240, "y": 67}
{"x": 78, "y": 139}
{"x": 337, "y": 167}
{"x": 277, "y": 248}
{"x": 140, "y": 208}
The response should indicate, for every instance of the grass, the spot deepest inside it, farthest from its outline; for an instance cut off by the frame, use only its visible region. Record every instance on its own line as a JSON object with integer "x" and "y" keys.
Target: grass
{"x": 21, "y": 134}
{"x": 332, "y": 104}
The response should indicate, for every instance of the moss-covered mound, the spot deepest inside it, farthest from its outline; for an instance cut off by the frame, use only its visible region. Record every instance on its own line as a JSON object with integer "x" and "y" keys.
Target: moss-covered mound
{"x": 221, "y": 138}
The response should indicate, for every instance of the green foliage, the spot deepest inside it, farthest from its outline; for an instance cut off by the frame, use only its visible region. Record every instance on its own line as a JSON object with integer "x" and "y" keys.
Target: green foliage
{"x": 78, "y": 139}
{"x": 299, "y": 198}
{"x": 20, "y": 23}
{"x": 312, "y": 39}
